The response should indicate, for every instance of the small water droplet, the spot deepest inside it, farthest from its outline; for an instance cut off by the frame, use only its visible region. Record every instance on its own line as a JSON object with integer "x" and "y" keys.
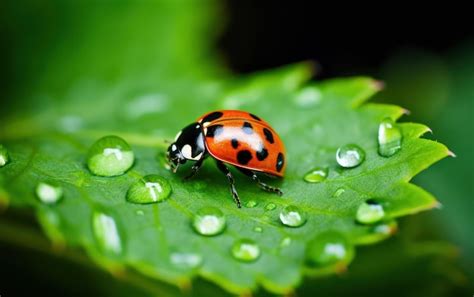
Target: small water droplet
{"x": 292, "y": 216}
{"x": 209, "y": 221}
{"x": 245, "y": 250}
{"x": 369, "y": 212}
{"x": 110, "y": 156}
{"x": 186, "y": 260}
{"x": 389, "y": 138}
{"x": 251, "y": 204}
{"x": 49, "y": 193}
{"x": 285, "y": 241}
{"x": 308, "y": 96}
{"x": 350, "y": 155}
{"x": 329, "y": 248}
{"x": 385, "y": 228}
{"x": 270, "y": 206}
{"x": 140, "y": 212}
{"x": 339, "y": 192}
{"x": 316, "y": 175}
{"x": 4, "y": 156}
{"x": 106, "y": 233}
{"x": 258, "y": 229}
{"x": 149, "y": 189}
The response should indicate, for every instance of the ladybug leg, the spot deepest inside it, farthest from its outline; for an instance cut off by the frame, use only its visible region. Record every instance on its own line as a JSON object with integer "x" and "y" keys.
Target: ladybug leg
{"x": 261, "y": 184}
{"x": 195, "y": 168}
{"x": 230, "y": 178}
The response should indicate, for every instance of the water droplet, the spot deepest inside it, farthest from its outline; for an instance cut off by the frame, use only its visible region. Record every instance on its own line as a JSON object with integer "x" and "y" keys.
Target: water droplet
{"x": 251, "y": 204}
{"x": 140, "y": 212}
{"x": 389, "y": 138}
{"x": 329, "y": 248}
{"x": 308, "y": 96}
{"x": 246, "y": 250}
{"x": 106, "y": 233}
{"x": 339, "y": 192}
{"x": 186, "y": 260}
{"x": 209, "y": 221}
{"x": 4, "y": 156}
{"x": 149, "y": 189}
{"x": 285, "y": 241}
{"x": 385, "y": 228}
{"x": 378, "y": 232}
{"x": 350, "y": 155}
{"x": 49, "y": 193}
{"x": 316, "y": 175}
{"x": 369, "y": 212}
{"x": 292, "y": 216}
{"x": 270, "y": 206}
{"x": 258, "y": 229}
{"x": 110, "y": 156}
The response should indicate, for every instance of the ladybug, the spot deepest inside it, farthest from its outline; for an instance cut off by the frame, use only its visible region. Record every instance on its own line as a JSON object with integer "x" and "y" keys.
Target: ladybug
{"x": 231, "y": 137}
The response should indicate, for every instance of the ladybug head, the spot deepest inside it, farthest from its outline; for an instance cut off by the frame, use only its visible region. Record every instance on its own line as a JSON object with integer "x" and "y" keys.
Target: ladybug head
{"x": 188, "y": 145}
{"x": 175, "y": 157}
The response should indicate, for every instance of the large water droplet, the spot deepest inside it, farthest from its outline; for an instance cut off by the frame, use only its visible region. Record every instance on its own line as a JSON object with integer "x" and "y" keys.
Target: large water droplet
{"x": 251, "y": 204}
{"x": 369, "y": 212}
{"x": 110, "y": 156}
{"x": 149, "y": 189}
{"x": 350, "y": 155}
{"x": 209, "y": 221}
{"x": 48, "y": 193}
{"x": 186, "y": 260}
{"x": 389, "y": 138}
{"x": 329, "y": 248}
{"x": 270, "y": 206}
{"x": 4, "y": 156}
{"x": 292, "y": 216}
{"x": 106, "y": 233}
{"x": 316, "y": 175}
{"x": 246, "y": 250}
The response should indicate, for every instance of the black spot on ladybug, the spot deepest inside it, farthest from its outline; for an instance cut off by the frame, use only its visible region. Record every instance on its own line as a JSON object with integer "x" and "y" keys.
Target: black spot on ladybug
{"x": 212, "y": 116}
{"x": 234, "y": 143}
{"x": 243, "y": 157}
{"x": 262, "y": 154}
{"x": 268, "y": 135}
{"x": 255, "y": 117}
{"x": 214, "y": 130}
{"x": 247, "y": 128}
{"x": 280, "y": 162}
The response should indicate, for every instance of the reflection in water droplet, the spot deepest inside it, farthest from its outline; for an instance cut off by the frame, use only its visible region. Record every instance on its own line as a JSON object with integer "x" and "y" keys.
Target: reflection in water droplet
{"x": 339, "y": 192}
{"x": 251, "y": 204}
{"x": 292, "y": 216}
{"x": 245, "y": 250}
{"x": 369, "y": 212}
{"x": 209, "y": 221}
{"x": 186, "y": 260}
{"x": 350, "y": 155}
{"x": 329, "y": 248}
{"x": 106, "y": 233}
{"x": 270, "y": 206}
{"x": 389, "y": 138}
{"x": 316, "y": 175}
{"x": 49, "y": 193}
{"x": 149, "y": 189}
{"x": 4, "y": 156}
{"x": 258, "y": 229}
{"x": 110, "y": 156}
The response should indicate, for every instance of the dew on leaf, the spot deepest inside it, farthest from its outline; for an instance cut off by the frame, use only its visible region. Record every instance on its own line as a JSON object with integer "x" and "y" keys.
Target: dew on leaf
{"x": 186, "y": 260}
{"x": 110, "y": 156}
{"x": 149, "y": 189}
{"x": 209, "y": 221}
{"x": 338, "y": 192}
{"x": 258, "y": 229}
{"x": 139, "y": 212}
{"x": 389, "y": 138}
{"x": 270, "y": 206}
{"x": 106, "y": 233}
{"x": 329, "y": 248}
{"x": 285, "y": 241}
{"x": 251, "y": 204}
{"x": 48, "y": 193}
{"x": 292, "y": 216}
{"x": 316, "y": 175}
{"x": 245, "y": 250}
{"x": 369, "y": 212}
{"x": 350, "y": 155}
{"x": 4, "y": 156}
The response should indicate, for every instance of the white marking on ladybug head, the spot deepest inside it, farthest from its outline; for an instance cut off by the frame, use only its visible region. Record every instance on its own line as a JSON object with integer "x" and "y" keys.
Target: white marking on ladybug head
{"x": 178, "y": 135}
{"x": 173, "y": 147}
{"x": 187, "y": 151}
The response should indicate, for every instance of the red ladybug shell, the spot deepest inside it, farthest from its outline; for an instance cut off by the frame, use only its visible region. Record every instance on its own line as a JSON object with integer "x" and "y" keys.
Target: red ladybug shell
{"x": 244, "y": 140}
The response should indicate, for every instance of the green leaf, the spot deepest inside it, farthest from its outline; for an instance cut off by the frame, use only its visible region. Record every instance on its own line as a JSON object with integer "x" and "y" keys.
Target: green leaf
{"x": 147, "y": 101}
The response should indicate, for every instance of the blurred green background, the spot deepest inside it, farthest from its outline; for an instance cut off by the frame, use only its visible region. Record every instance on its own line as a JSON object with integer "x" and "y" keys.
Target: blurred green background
{"x": 427, "y": 69}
